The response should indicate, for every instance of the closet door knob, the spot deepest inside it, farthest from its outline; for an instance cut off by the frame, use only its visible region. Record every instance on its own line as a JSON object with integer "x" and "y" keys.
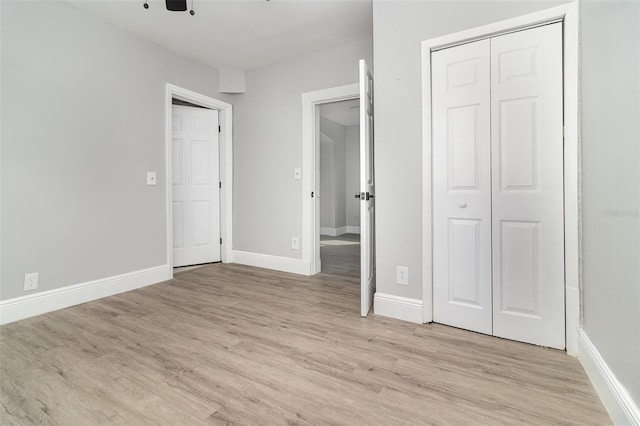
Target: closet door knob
{"x": 462, "y": 205}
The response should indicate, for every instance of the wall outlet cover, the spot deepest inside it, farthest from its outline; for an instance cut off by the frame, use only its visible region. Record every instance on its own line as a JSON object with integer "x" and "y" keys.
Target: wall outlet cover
{"x": 30, "y": 281}
{"x": 402, "y": 275}
{"x": 295, "y": 244}
{"x": 297, "y": 174}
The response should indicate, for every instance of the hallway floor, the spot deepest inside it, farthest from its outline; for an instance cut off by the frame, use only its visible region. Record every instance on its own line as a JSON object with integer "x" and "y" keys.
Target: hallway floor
{"x": 340, "y": 255}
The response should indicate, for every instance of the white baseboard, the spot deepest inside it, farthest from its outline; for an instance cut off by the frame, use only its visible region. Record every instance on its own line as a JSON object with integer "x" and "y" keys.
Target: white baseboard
{"x": 353, "y": 229}
{"x": 277, "y": 263}
{"x": 333, "y": 232}
{"x": 402, "y": 308}
{"x": 47, "y": 301}
{"x": 619, "y": 404}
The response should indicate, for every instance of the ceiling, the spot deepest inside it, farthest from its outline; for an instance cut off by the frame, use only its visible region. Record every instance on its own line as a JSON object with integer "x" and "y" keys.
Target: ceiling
{"x": 240, "y": 34}
{"x": 346, "y": 113}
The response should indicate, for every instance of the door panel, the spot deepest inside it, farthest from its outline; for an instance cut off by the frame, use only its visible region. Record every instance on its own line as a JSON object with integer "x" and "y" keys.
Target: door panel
{"x": 517, "y": 145}
{"x": 461, "y": 187}
{"x": 176, "y": 160}
{"x": 367, "y": 189}
{"x": 519, "y": 257}
{"x": 178, "y": 225}
{"x": 200, "y": 164}
{"x": 527, "y": 193}
{"x": 195, "y": 190}
{"x": 463, "y": 161}
{"x": 464, "y": 265}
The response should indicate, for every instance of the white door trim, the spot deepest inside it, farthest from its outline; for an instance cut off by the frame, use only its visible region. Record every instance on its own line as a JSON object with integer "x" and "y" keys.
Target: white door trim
{"x": 310, "y": 167}
{"x": 226, "y": 165}
{"x": 568, "y": 13}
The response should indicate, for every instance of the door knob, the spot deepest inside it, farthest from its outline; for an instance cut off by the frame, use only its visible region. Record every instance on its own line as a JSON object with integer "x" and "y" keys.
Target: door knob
{"x": 462, "y": 205}
{"x": 357, "y": 196}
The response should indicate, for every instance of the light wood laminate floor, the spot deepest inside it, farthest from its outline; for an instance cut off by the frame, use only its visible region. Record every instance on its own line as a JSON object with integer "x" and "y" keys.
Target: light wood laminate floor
{"x": 234, "y": 344}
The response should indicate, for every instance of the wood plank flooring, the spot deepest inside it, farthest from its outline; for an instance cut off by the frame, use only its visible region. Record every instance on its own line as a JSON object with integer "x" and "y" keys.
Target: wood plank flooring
{"x": 230, "y": 344}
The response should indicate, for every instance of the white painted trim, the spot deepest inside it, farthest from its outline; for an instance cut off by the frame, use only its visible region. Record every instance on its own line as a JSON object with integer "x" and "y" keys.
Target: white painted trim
{"x": 277, "y": 263}
{"x": 48, "y": 301}
{"x": 619, "y": 404}
{"x": 572, "y": 177}
{"x": 568, "y": 13}
{"x": 311, "y": 169}
{"x": 333, "y": 232}
{"x": 427, "y": 218}
{"x": 398, "y": 307}
{"x": 226, "y": 165}
{"x": 353, "y": 229}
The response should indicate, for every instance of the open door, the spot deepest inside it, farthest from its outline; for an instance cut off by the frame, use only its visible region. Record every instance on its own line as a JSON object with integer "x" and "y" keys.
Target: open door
{"x": 367, "y": 193}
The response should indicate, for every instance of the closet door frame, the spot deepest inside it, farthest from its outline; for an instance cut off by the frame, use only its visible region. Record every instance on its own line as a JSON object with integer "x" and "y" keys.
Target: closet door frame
{"x": 568, "y": 15}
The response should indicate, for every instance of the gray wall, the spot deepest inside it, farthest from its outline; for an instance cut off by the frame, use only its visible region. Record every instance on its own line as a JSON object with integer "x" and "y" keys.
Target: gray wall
{"x": 268, "y": 145}
{"x": 333, "y": 179}
{"x": 610, "y": 95}
{"x": 353, "y": 175}
{"x": 82, "y": 123}
{"x": 398, "y": 29}
{"x": 326, "y": 194}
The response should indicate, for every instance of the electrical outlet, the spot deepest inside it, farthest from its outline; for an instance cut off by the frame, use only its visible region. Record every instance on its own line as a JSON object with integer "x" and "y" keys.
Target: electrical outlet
{"x": 30, "y": 281}
{"x": 295, "y": 244}
{"x": 402, "y": 275}
{"x": 297, "y": 174}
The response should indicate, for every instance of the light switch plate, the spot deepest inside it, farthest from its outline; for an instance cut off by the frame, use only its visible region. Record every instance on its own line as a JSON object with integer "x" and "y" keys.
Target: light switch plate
{"x": 297, "y": 174}
{"x": 151, "y": 178}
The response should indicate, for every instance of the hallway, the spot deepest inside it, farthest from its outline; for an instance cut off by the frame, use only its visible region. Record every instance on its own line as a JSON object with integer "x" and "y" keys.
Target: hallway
{"x": 340, "y": 255}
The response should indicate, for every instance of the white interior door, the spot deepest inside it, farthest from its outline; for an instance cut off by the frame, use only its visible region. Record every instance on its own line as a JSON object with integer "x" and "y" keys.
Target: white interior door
{"x": 367, "y": 193}
{"x": 462, "y": 187}
{"x": 195, "y": 186}
{"x": 528, "y": 223}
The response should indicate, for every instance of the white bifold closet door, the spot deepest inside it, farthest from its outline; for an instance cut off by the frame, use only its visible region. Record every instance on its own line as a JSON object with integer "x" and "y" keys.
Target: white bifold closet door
{"x": 498, "y": 186}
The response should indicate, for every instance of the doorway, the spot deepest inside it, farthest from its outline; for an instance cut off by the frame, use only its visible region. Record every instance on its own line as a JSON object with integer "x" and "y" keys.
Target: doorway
{"x": 195, "y": 185}
{"x": 311, "y": 178}
{"x": 339, "y": 126}
{"x": 220, "y": 159}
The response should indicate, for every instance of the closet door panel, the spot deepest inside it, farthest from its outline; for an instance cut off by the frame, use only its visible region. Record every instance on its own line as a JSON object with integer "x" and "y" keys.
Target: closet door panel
{"x": 527, "y": 186}
{"x": 461, "y": 187}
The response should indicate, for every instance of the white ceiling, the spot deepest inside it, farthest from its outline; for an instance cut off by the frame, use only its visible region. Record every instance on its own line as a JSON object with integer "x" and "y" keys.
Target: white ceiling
{"x": 346, "y": 113}
{"x": 240, "y": 34}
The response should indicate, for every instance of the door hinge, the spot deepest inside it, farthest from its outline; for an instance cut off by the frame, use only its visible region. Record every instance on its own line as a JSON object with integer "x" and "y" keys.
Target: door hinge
{"x": 219, "y": 129}
{"x": 220, "y": 185}
{"x": 220, "y": 240}
{"x": 311, "y": 194}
